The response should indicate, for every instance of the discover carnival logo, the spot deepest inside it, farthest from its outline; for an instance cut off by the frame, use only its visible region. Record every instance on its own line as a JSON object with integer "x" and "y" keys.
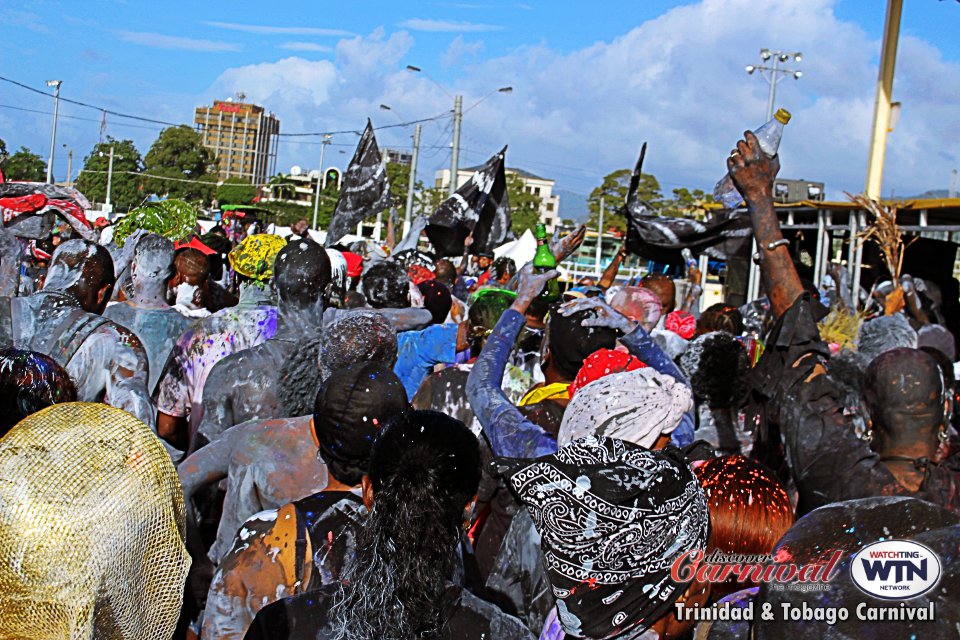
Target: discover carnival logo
{"x": 888, "y": 570}
{"x": 895, "y": 569}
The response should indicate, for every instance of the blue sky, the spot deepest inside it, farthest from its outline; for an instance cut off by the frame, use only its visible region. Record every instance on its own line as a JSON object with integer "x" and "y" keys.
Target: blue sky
{"x": 592, "y": 80}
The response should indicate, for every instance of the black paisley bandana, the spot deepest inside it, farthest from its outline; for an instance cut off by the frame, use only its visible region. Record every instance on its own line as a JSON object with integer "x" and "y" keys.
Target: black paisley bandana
{"x": 613, "y": 517}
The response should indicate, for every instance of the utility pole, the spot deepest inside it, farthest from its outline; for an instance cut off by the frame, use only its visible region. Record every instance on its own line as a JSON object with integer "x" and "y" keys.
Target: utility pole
{"x": 881, "y": 108}
{"x": 109, "y": 180}
{"x": 316, "y": 196}
{"x": 455, "y": 152}
{"x": 408, "y": 213}
{"x": 953, "y": 184}
{"x": 53, "y": 134}
{"x": 599, "y": 237}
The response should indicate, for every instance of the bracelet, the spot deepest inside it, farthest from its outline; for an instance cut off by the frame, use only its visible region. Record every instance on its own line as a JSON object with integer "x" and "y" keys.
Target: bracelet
{"x": 758, "y": 257}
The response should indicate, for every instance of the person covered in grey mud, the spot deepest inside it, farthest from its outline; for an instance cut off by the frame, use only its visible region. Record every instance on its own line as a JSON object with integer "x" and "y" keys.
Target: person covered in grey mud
{"x": 267, "y": 463}
{"x": 247, "y": 385}
{"x": 63, "y": 321}
{"x": 145, "y": 312}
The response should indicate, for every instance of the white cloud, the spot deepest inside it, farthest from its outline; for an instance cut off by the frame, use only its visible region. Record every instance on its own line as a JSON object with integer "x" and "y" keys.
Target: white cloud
{"x": 291, "y": 81}
{"x": 161, "y": 41}
{"x": 24, "y": 20}
{"x": 676, "y": 81}
{"x": 274, "y": 30}
{"x": 446, "y": 26}
{"x": 305, "y": 46}
{"x": 459, "y": 50}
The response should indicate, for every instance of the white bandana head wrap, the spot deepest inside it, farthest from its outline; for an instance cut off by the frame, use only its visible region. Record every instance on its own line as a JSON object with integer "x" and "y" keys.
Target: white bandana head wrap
{"x": 637, "y": 406}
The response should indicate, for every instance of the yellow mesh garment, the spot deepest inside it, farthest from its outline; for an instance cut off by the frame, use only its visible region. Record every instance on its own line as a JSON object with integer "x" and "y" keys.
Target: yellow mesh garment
{"x": 91, "y": 528}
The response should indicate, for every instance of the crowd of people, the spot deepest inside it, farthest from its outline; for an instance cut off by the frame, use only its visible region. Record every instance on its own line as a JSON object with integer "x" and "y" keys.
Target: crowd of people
{"x": 231, "y": 435}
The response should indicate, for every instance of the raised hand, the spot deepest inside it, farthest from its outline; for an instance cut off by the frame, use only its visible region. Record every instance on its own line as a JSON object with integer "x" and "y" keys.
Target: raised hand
{"x": 529, "y": 286}
{"x": 751, "y": 170}
{"x": 604, "y": 315}
{"x": 563, "y": 248}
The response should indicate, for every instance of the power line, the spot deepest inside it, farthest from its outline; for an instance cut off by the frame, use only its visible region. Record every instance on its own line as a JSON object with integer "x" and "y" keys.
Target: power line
{"x": 69, "y": 117}
{"x": 171, "y": 178}
{"x": 89, "y": 106}
{"x": 386, "y": 126}
{"x": 173, "y": 124}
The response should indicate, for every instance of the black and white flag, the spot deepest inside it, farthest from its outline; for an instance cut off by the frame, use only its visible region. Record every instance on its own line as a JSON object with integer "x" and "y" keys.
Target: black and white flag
{"x": 365, "y": 190}
{"x": 480, "y": 207}
{"x": 662, "y": 238}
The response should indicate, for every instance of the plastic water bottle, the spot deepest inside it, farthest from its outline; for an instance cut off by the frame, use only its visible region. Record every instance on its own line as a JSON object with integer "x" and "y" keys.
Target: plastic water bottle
{"x": 769, "y": 136}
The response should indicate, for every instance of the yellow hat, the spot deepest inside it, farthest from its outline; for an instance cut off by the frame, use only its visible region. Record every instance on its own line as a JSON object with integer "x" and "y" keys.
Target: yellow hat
{"x": 253, "y": 258}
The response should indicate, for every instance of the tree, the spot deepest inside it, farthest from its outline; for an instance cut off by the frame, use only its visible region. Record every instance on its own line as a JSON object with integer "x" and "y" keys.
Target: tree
{"x": 687, "y": 204}
{"x": 613, "y": 190}
{"x": 524, "y": 205}
{"x": 281, "y": 187}
{"x": 426, "y": 200}
{"x": 179, "y": 166}
{"x": 236, "y": 191}
{"x": 25, "y": 165}
{"x": 126, "y": 189}
{"x": 328, "y": 202}
{"x": 398, "y": 175}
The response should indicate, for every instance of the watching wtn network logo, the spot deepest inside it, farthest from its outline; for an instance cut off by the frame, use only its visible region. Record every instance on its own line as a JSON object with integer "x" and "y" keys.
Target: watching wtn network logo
{"x": 895, "y": 569}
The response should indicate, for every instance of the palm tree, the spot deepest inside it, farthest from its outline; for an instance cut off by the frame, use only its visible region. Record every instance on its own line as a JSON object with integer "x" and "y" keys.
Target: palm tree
{"x": 280, "y": 187}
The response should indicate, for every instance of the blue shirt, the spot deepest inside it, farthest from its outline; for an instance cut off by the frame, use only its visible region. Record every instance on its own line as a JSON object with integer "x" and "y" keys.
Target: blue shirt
{"x": 419, "y": 351}
{"x": 509, "y": 432}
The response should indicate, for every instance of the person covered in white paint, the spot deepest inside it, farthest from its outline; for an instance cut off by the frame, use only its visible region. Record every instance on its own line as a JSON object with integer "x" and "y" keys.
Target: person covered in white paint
{"x": 63, "y": 320}
{"x": 307, "y": 543}
{"x": 145, "y": 311}
{"x": 246, "y": 385}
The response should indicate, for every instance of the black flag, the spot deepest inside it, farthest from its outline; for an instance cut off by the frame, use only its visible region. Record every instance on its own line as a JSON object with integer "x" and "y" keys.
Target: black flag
{"x": 365, "y": 190}
{"x": 480, "y": 206}
{"x": 662, "y": 238}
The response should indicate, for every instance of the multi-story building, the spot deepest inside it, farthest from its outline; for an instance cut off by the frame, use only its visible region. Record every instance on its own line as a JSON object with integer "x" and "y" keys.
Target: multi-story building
{"x": 540, "y": 187}
{"x": 399, "y": 156}
{"x": 787, "y": 191}
{"x": 243, "y": 136}
{"x": 299, "y": 187}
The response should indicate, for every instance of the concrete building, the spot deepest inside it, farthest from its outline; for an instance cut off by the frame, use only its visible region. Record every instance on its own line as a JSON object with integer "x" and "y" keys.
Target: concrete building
{"x": 541, "y": 187}
{"x": 299, "y": 187}
{"x": 243, "y": 136}
{"x": 399, "y": 156}
{"x": 788, "y": 191}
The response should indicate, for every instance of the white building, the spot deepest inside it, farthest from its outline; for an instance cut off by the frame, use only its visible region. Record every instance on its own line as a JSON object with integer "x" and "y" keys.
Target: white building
{"x": 542, "y": 187}
{"x": 299, "y": 186}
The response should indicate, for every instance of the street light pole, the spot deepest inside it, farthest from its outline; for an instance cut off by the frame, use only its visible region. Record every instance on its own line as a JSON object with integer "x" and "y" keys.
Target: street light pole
{"x": 776, "y": 73}
{"x": 53, "y": 134}
{"x": 70, "y": 168}
{"x": 773, "y": 88}
{"x": 316, "y": 196}
{"x": 455, "y": 151}
{"x": 408, "y": 213}
{"x": 109, "y": 179}
{"x": 457, "y": 119}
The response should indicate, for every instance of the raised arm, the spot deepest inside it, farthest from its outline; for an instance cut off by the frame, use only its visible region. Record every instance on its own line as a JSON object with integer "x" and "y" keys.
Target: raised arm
{"x": 694, "y": 291}
{"x": 465, "y": 260}
{"x": 610, "y": 273}
{"x": 510, "y": 434}
{"x": 639, "y": 344}
{"x": 753, "y": 173}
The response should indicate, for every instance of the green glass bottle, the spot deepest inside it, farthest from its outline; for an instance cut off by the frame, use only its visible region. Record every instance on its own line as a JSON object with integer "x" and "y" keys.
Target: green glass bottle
{"x": 544, "y": 261}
